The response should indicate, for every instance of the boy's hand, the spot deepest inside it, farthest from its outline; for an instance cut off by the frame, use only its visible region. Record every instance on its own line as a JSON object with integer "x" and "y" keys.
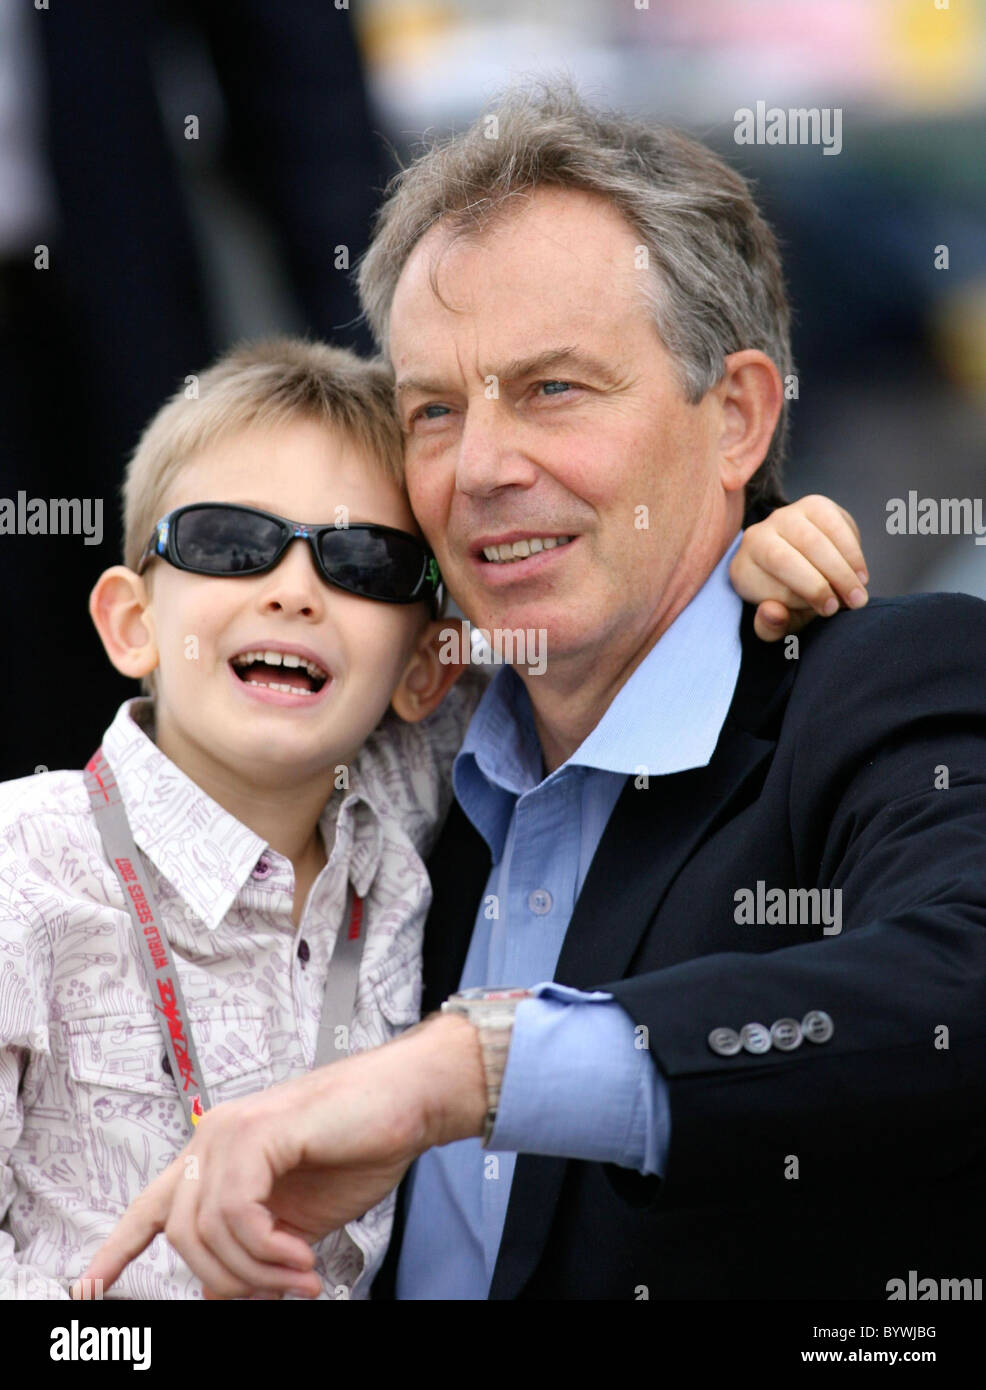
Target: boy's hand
{"x": 804, "y": 559}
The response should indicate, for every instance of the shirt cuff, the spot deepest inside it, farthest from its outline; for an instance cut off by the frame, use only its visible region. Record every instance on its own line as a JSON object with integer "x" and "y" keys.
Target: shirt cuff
{"x": 580, "y": 1082}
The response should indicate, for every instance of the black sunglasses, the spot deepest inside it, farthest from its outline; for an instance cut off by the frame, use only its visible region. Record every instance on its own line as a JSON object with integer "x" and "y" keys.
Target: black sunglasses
{"x": 226, "y": 539}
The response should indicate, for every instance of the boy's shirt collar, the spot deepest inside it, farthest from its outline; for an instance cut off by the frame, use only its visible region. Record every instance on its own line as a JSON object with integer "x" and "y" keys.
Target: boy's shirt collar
{"x": 200, "y": 848}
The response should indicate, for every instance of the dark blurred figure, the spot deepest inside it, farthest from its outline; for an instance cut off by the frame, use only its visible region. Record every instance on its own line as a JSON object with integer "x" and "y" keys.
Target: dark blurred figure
{"x": 92, "y": 167}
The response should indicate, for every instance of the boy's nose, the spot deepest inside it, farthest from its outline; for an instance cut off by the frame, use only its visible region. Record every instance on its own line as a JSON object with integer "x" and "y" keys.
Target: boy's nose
{"x": 294, "y": 584}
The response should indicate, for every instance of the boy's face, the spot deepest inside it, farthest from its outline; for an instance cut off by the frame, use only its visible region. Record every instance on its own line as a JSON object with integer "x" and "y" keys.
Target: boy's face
{"x": 302, "y": 470}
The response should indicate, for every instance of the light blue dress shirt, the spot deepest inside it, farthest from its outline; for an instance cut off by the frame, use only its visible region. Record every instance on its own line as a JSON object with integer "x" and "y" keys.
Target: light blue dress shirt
{"x": 575, "y": 1083}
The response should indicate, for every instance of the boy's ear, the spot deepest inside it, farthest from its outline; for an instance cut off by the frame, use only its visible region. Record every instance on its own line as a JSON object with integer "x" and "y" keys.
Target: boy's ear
{"x": 119, "y": 607}
{"x": 439, "y": 659}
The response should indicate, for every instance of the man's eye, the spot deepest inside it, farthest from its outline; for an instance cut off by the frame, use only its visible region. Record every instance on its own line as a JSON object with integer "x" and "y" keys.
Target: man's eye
{"x": 425, "y": 411}
{"x": 555, "y": 388}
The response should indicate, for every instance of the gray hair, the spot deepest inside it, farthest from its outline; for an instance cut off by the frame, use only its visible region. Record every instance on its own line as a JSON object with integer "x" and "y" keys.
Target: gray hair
{"x": 715, "y": 284}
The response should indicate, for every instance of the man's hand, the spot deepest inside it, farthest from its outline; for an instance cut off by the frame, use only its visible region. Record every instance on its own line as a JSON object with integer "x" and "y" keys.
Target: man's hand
{"x": 265, "y": 1177}
{"x": 802, "y": 560}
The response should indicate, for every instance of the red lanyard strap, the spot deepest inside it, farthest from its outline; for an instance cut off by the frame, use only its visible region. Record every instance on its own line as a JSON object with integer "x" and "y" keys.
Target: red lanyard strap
{"x": 158, "y": 961}
{"x": 148, "y": 924}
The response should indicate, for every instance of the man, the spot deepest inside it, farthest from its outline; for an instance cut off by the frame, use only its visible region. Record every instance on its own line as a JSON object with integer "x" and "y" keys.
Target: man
{"x": 754, "y": 877}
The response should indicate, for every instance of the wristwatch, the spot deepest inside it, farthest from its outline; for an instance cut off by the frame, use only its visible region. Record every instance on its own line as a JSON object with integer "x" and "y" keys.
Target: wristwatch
{"x": 491, "y": 1011}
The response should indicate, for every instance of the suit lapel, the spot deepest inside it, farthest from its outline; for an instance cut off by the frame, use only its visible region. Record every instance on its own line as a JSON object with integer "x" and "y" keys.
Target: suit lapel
{"x": 459, "y": 868}
{"x": 650, "y": 835}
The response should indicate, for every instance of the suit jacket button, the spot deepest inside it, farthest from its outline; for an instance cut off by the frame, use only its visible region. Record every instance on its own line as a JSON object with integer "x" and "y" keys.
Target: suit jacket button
{"x": 786, "y": 1034}
{"x": 755, "y": 1037}
{"x": 725, "y": 1041}
{"x": 817, "y": 1026}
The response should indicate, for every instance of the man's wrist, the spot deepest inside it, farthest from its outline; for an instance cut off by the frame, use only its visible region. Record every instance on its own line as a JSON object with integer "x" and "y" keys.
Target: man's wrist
{"x": 452, "y": 1077}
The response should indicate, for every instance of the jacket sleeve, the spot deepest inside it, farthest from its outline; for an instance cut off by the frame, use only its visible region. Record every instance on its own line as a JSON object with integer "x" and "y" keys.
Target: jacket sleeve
{"x": 887, "y": 804}
{"x": 23, "y": 1031}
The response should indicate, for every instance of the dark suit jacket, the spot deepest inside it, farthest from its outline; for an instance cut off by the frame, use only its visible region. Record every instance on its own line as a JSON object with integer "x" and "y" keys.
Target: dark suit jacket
{"x": 824, "y": 775}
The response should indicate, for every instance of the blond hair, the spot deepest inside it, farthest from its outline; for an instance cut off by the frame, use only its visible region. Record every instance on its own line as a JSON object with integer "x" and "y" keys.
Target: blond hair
{"x": 262, "y": 383}
{"x": 714, "y": 284}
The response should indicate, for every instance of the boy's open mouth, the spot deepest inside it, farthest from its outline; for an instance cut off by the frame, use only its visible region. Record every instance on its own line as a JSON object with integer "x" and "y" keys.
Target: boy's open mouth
{"x": 283, "y": 671}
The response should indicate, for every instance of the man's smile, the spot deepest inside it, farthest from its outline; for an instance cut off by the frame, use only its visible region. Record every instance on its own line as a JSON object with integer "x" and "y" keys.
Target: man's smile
{"x": 518, "y": 548}
{"x": 518, "y": 559}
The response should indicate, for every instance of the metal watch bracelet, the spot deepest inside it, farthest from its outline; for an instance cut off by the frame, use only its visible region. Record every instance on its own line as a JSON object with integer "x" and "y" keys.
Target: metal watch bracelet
{"x": 491, "y": 1011}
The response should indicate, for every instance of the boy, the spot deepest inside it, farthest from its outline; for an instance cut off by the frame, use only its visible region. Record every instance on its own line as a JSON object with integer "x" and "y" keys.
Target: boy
{"x": 280, "y": 808}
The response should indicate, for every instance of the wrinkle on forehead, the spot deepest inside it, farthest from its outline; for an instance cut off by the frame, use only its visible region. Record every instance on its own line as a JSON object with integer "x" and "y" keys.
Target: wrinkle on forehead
{"x": 597, "y": 240}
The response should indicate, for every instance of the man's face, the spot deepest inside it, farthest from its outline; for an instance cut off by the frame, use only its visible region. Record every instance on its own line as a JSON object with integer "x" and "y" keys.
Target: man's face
{"x": 538, "y": 401}
{"x": 302, "y": 470}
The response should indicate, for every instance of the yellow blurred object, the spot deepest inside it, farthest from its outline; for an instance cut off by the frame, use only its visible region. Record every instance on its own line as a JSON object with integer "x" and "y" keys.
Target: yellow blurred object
{"x": 958, "y": 332}
{"x": 934, "y": 55}
{"x": 393, "y": 31}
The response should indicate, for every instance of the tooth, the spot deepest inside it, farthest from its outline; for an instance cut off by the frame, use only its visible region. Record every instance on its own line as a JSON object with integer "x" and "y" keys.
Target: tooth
{"x": 521, "y": 549}
{"x": 563, "y": 540}
{"x": 288, "y": 659}
{"x": 491, "y": 552}
{"x": 550, "y": 542}
{"x": 272, "y": 658}
{"x": 505, "y": 551}
{"x": 536, "y": 545}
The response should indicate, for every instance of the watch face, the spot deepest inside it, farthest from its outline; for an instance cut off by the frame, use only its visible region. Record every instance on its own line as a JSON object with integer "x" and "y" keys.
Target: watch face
{"x": 481, "y": 993}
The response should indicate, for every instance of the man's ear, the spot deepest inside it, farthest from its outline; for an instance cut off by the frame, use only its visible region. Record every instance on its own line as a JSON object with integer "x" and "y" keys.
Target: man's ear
{"x": 120, "y": 608}
{"x": 751, "y": 396}
{"x": 441, "y": 655}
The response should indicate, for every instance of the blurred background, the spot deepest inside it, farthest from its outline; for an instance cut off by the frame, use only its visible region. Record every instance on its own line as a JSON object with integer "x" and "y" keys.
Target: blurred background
{"x": 174, "y": 177}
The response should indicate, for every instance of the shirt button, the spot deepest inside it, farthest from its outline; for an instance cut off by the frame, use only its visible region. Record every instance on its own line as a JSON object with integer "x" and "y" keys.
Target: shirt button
{"x": 263, "y": 868}
{"x": 540, "y": 901}
{"x": 304, "y": 953}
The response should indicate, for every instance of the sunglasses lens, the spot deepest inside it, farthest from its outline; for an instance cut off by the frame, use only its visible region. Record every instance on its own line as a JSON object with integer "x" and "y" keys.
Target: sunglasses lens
{"x": 226, "y": 542}
{"x": 376, "y": 564}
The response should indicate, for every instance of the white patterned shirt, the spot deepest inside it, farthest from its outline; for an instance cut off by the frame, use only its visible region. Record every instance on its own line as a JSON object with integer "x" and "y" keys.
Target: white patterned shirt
{"x": 89, "y": 1114}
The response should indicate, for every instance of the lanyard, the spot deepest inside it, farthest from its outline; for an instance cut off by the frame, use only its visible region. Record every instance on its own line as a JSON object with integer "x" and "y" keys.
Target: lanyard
{"x": 158, "y": 962}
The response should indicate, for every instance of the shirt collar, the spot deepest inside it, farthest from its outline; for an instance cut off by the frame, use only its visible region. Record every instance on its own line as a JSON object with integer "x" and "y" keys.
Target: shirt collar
{"x": 668, "y": 716}
{"x": 203, "y": 851}
{"x": 665, "y": 718}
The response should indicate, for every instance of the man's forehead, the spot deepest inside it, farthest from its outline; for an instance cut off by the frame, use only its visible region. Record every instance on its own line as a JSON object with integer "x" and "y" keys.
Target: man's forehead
{"x": 559, "y": 251}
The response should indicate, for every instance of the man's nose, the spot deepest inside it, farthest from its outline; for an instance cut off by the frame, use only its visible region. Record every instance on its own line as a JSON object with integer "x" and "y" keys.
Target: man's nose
{"x": 294, "y": 585}
{"x": 490, "y": 454}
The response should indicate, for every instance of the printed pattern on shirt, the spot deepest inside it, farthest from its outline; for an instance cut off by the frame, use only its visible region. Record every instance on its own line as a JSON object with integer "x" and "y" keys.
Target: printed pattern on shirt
{"x": 88, "y": 1112}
